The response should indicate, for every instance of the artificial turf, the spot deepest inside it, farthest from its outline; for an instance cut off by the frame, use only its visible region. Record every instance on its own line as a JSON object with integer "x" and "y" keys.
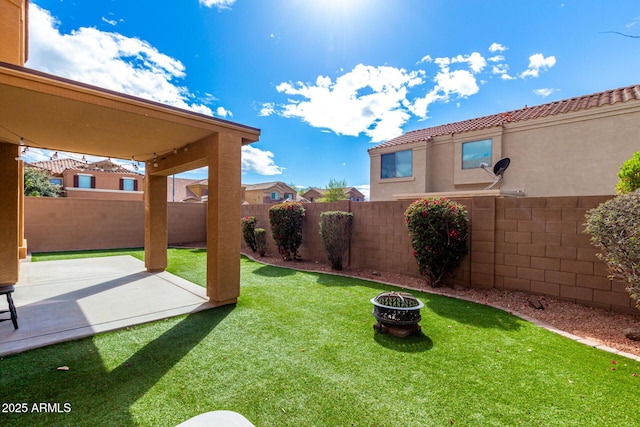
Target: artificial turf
{"x": 299, "y": 349}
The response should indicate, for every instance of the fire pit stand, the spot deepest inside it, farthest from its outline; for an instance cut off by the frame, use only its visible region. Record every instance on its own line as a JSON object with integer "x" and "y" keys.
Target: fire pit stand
{"x": 397, "y": 313}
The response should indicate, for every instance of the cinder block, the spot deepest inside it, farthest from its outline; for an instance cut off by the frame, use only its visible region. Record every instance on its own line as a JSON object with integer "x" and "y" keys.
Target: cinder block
{"x": 561, "y": 277}
{"x": 506, "y": 270}
{"x": 562, "y": 202}
{"x": 614, "y": 298}
{"x": 477, "y": 267}
{"x": 593, "y": 282}
{"x": 561, "y": 252}
{"x": 545, "y": 288}
{"x": 517, "y": 260}
{"x": 582, "y": 267}
{"x": 531, "y": 250}
{"x": 552, "y": 264}
{"x": 533, "y": 225}
{"x": 517, "y": 284}
{"x": 509, "y": 225}
{"x": 546, "y": 214}
{"x": 482, "y": 236}
{"x": 530, "y": 273}
{"x": 517, "y": 237}
{"x": 518, "y": 214}
{"x": 576, "y": 293}
{"x": 506, "y": 248}
{"x": 565, "y": 227}
{"x": 577, "y": 240}
{"x": 532, "y": 202}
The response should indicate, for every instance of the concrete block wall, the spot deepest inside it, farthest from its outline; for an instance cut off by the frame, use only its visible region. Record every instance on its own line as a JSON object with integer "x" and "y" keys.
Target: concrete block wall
{"x": 534, "y": 245}
{"x": 541, "y": 248}
{"x": 66, "y": 224}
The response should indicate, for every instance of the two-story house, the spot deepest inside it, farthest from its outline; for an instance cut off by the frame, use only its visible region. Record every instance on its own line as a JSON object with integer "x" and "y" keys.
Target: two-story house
{"x": 103, "y": 179}
{"x": 269, "y": 192}
{"x": 315, "y": 194}
{"x": 571, "y": 147}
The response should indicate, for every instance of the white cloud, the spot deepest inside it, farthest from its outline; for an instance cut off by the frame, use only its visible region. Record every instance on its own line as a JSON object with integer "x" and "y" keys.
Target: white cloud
{"x": 110, "y": 21}
{"x": 544, "y": 92}
{"x": 365, "y": 100}
{"x": 633, "y": 23}
{"x": 267, "y": 109}
{"x": 426, "y": 58}
{"x": 122, "y": 64}
{"x": 220, "y": 4}
{"x": 364, "y": 189}
{"x": 259, "y": 161}
{"x": 109, "y": 60}
{"x": 537, "y": 63}
{"x": 497, "y": 58}
{"x": 223, "y": 112}
{"x": 497, "y": 47}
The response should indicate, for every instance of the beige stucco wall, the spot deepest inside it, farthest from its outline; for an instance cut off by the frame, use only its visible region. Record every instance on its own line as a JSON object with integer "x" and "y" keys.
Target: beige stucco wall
{"x": 570, "y": 154}
{"x": 107, "y": 186}
{"x": 13, "y": 35}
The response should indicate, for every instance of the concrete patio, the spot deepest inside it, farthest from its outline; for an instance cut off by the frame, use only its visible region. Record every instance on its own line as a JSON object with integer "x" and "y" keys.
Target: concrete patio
{"x": 66, "y": 300}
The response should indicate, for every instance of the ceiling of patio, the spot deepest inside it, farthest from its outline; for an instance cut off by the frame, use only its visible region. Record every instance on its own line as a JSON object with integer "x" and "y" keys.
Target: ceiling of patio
{"x": 59, "y": 114}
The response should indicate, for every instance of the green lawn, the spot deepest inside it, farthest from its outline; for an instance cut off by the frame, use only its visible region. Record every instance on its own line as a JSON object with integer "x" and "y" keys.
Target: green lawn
{"x": 299, "y": 350}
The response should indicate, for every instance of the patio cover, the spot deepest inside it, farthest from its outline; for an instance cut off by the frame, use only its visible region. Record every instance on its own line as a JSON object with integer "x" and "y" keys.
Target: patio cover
{"x": 45, "y": 111}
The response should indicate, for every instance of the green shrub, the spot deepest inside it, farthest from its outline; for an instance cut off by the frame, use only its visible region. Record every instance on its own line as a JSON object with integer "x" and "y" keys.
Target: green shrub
{"x": 629, "y": 175}
{"x": 248, "y": 231}
{"x": 261, "y": 240}
{"x": 335, "y": 230}
{"x": 615, "y": 229}
{"x": 438, "y": 228}
{"x": 286, "y": 228}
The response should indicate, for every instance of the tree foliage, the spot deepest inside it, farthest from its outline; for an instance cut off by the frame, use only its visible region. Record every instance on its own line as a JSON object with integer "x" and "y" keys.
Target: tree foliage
{"x": 335, "y": 191}
{"x": 335, "y": 230}
{"x": 615, "y": 229}
{"x": 439, "y": 229}
{"x": 629, "y": 175}
{"x": 286, "y": 228}
{"x": 36, "y": 183}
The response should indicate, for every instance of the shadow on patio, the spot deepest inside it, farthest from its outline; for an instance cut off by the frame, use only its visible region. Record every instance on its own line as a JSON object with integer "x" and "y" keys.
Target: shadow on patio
{"x": 66, "y": 300}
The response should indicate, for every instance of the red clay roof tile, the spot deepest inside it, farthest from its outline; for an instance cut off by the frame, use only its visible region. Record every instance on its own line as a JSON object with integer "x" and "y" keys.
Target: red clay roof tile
{"x": 599, "y": 99}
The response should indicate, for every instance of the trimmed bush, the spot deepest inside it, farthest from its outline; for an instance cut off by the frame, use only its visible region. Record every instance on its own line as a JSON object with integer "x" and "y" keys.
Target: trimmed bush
{"x": 629, "y": 175}
{"x": 286, "y": 228}
{"x": 261, "y": 240}
{"x": 335, "y": 230}
{"x": 439, "y": 229}
{"x": 248, "y": 231}
{"x": 615, "y": 229}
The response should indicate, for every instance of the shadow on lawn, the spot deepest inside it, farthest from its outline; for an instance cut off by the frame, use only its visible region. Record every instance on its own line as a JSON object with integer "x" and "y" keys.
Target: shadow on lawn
{"x": 105, "y": 397}
{"x": 471, "y": 313}
{"x": 411, "y": 344}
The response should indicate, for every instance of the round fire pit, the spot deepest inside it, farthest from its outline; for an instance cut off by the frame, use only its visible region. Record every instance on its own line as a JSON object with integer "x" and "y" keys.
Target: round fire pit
{"x": 397, "y": 313}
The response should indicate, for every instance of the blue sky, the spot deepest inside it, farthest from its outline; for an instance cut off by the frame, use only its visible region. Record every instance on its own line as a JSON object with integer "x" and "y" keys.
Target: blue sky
{"x": 327, "y": 80}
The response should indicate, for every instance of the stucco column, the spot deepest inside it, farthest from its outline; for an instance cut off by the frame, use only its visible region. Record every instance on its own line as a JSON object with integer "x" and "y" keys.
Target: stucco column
{"x": 9, "y": 213}
{"x": 22, "y": 248}
{"x": 223, "y": 220}
{"x": 156, "y": 234}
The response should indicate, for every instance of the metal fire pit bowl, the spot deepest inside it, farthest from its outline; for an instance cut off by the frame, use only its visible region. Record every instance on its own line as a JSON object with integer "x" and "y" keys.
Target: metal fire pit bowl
{"x": 397, "y": 313}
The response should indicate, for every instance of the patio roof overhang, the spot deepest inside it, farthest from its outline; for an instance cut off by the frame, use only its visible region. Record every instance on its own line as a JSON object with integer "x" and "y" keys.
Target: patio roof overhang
{"x": 60, "y": 114}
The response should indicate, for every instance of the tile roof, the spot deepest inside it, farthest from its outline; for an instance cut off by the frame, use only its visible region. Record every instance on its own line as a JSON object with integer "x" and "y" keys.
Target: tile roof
{"x": 58, "y": 166}
{"x": 599, "y": 99}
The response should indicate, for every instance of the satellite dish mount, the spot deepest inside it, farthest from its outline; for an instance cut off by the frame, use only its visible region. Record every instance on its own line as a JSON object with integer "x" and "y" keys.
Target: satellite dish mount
{"x": 498, "y": 171}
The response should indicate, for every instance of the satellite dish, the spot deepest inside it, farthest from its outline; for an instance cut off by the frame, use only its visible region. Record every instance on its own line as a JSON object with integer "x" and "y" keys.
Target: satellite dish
{"x": 498, "y": 171}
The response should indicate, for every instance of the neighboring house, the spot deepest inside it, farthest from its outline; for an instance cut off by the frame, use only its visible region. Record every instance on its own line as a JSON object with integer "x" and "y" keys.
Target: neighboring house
{"x": 571, "y": 147}
{"x": 269, "y": 192}
{"x": 187, "y": 190}
{"x": 313, "y": 194}
{"x": 98, "y": 180}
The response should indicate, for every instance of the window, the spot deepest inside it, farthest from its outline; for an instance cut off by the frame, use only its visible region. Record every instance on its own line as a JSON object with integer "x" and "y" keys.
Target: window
{"x": 396, "y": 165}
{"x": 128, "y": 184}
{"x": 84, "y": 181}
{"x": 275, "y": 195}
{"x": 476, "y": 152}
{"x": 288, "y": 196}
{"x": 205, "y": 192}
{"x": 56, "y": 181}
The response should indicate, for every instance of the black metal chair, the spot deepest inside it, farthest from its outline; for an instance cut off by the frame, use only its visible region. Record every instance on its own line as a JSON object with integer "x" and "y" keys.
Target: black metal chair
{"x": 8, "y": 290}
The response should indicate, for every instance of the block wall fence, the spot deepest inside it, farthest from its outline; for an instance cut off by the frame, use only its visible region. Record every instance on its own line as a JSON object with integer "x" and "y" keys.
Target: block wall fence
{"x": 53, "y": 224}
{"x": 535, "y": 245}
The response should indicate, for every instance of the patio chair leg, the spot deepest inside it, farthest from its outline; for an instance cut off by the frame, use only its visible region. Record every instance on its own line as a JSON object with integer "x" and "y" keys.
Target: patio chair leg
{"x": 14, "y": 313}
